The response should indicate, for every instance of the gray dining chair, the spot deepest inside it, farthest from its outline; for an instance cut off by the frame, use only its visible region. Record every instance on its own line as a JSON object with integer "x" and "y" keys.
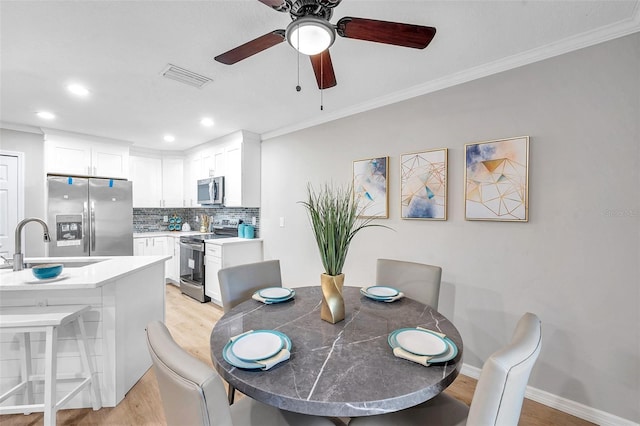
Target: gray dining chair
{"x": 417, "y": 281}
{"x": 238, "y": 283}
{"x": 193, "y": 393}
{"x": 499, "y": 393}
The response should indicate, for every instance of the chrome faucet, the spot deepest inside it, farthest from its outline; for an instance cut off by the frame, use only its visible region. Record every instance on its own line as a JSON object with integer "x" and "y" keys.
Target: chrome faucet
{"x": 18, "y": 257}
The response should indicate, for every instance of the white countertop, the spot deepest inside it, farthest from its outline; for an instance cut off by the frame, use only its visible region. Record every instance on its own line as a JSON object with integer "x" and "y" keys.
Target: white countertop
{"x": 95, "y": 275}
{"x": 232, "y": 240}
{"x": 218, "y": 241}
{"x": 164, "y": 234}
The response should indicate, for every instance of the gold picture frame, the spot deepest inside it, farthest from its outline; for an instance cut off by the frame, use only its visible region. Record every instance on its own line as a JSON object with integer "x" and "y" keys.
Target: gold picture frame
{"x": 496, "y": 180}
{"x": 423, "y": 185}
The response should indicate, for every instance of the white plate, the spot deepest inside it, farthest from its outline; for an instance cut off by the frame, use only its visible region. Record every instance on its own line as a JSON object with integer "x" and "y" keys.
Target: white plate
{"x": 48, "y": 280}
{"x": 382, "y": 291}
{"x": 274, "y": 293}
{"x": 258, "y": 345}
{"x": 421, "y": 342}
{"x": 450, "y": 354}
{"x": 251, "y": 365}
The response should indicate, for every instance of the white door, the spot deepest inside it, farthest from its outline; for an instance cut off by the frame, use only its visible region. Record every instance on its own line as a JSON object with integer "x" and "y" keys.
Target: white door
{"x": 10, "y": 210}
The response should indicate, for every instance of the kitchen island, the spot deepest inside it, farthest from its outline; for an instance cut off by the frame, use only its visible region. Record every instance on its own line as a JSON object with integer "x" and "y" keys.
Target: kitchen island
{"x": 125, "y": 293}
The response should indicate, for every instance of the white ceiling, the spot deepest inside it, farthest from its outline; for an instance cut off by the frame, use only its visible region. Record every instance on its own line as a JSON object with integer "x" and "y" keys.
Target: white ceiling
{"x": 119, "y": 48}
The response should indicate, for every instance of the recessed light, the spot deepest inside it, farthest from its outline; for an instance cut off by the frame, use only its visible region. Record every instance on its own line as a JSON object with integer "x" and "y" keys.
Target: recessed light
{"x": 46, "y": 115}
{"x": 169, "y": 138}
{"x": 207, "y": 122}
{"x": 78, "y": 89}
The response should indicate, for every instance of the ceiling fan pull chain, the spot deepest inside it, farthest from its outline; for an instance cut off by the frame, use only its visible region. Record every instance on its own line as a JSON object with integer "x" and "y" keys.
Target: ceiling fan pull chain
{"x": 321, "y": 83}
{"x": 298, "y": 88}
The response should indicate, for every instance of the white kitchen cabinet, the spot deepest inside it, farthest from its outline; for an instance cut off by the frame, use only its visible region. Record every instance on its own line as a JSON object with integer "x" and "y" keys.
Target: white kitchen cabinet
{"x": 161, "y": 246}
{"x": 212, "y": 264}
{"x": 220, "y": 255}
{"x": 150, "y": 246}
{"x": 157, "y": 181}
{"x": 242, "y": 172}
{"x": 140, "y": 246}
{"x": 173, "y": 264}
{"x": 74, "y": 154}
{"x": 146, "y": 175}
{"x": 172, "y": 188}
{"x": 202, "y": 164}
{"x": 237, "y": 158}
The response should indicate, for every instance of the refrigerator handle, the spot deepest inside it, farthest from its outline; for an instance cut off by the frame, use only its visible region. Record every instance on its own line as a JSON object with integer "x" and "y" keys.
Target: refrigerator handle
{"x": 85, "y": 220}
{"x": 93, "y": 226}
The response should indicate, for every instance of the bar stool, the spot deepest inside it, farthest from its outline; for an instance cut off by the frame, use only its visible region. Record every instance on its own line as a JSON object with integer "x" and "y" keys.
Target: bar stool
{"x": 28, "y": 319}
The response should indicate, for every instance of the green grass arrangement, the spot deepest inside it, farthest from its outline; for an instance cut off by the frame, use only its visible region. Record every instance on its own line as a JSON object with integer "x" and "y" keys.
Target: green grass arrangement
{"x": 333, "y": 214}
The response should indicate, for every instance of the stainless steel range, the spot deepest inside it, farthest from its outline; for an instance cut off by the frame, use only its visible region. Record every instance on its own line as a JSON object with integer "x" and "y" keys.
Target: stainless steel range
{"x": 192, "y": 270}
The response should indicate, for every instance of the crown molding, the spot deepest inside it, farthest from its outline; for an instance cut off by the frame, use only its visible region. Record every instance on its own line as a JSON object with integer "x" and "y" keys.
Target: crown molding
{"x": 21, "y": 127}
{"x": 569, "y": 44}
{"x": 82, "y": 136}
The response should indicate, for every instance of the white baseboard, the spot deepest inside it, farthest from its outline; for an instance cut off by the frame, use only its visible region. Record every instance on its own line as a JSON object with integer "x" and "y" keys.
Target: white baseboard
{"x": 577, "y": 409}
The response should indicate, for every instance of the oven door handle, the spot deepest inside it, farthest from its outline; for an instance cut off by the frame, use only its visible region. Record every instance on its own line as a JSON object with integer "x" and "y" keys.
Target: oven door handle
{"x": 196, "y": 247}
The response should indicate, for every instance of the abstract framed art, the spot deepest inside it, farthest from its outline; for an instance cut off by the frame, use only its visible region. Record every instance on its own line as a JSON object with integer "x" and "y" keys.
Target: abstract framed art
{"x": 496, "y": 177}
{"x": 423, "y": 185}
{"x": 370, "y": 184}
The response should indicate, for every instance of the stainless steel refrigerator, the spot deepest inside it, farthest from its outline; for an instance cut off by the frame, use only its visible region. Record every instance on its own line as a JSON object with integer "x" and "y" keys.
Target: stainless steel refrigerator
{"x": 89, "y": 216}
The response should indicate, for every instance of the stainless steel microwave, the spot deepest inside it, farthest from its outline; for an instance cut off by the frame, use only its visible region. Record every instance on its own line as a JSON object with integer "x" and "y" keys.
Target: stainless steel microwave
{"x": 211, "y": 191}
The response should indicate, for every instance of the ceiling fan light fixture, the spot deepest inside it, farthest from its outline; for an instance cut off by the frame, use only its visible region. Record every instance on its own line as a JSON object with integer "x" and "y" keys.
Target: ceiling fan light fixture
{"x": 310, "y": 35}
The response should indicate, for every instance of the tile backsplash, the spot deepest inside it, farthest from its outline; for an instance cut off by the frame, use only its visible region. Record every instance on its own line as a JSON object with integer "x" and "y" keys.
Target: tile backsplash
{"x": 152, "y": 219}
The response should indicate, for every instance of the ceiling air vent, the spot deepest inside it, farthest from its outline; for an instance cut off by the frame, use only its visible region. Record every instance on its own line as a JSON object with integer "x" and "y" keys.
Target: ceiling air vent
{"x": 185, "y": 76}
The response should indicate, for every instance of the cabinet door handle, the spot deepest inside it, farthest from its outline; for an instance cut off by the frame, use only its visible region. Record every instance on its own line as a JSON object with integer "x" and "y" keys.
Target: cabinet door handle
{"x": 85, "y": 226}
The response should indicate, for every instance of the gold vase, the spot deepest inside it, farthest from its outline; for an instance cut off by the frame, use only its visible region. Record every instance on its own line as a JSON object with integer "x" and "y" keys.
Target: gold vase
{"x": 332, "y": 309}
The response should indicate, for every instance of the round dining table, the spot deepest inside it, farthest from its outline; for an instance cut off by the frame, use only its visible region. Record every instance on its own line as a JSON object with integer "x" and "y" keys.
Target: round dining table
{"x": 345, "y": 369}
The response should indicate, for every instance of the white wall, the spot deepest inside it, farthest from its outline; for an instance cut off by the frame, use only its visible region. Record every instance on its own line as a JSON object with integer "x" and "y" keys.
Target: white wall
{"x": 575, "y": 263}
{"x": 32, "y": 145}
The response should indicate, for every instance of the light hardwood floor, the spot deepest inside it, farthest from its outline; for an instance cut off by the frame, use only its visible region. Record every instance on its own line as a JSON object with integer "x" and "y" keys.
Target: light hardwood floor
{"x": 190, "y": 323}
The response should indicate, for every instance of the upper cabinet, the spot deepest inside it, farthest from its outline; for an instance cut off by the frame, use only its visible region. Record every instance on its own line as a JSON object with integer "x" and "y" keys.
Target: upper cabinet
{"x": 157, "y": 180}
{"x": 172, "y": 182}
{"x": 237, "y": 158}
{"x": 75, "y": 154}
{"x": 201, "y": 164}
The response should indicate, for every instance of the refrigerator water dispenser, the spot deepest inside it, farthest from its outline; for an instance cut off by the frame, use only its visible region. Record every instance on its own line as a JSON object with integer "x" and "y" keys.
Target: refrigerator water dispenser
{"x": 68, "y": 230}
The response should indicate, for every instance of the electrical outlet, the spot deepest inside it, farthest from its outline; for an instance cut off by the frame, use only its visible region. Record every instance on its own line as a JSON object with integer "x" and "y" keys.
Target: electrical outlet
{"x": 165, "y": 218}
{"x": 253, "y": 221}
{"x": 282, "y": 222}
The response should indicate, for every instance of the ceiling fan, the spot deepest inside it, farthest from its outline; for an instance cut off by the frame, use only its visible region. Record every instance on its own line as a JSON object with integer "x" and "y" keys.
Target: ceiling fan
{"x": 311, "y": 33}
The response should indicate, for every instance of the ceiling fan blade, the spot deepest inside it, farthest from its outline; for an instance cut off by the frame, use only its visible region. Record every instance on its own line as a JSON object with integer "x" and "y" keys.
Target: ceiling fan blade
{"x": 407, "y": 35}
{"x": 251, "y": 48}
{"x": 279, "y": 5}
{"x": 323, "y": 69}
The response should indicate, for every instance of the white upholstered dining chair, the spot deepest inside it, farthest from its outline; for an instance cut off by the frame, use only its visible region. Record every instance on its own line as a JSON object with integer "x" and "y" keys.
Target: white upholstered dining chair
{"x": 238, "y": 283}
{"x": 193, "y": 393}
{"x": 498, "y": 396}
{"x": 417, "y": 281}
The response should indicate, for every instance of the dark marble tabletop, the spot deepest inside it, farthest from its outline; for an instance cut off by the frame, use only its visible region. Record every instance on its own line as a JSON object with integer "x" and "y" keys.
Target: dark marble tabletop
{"x": 344, "y": 370}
